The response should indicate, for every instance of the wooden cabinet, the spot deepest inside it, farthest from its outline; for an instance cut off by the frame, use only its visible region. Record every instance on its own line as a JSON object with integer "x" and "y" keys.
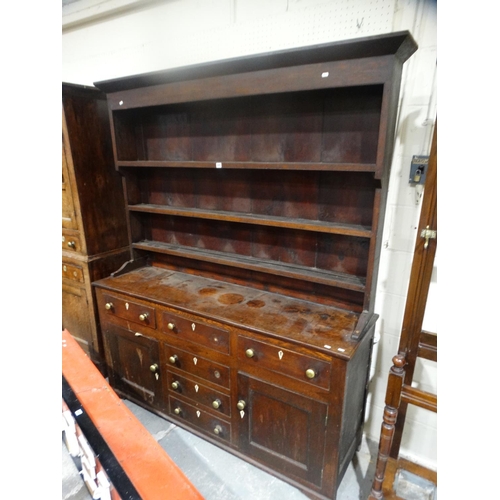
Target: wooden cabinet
{"x": 94, "y": 230}
{"x": 255, "y": 192}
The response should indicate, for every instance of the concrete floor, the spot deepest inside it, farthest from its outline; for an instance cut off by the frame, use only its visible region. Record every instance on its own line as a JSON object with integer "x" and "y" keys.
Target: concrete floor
{"x": 218, "y": 475}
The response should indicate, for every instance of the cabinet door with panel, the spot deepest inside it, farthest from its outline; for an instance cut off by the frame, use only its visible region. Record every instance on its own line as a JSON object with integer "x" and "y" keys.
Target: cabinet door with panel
{"x": 135, "y": 364}
{"x": 74, "y": 298}
{"x": 282, "y": 429}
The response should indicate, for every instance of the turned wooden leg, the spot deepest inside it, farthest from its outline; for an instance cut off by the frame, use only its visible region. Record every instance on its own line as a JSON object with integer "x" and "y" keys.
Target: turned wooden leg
{"x": 392, "y": 402}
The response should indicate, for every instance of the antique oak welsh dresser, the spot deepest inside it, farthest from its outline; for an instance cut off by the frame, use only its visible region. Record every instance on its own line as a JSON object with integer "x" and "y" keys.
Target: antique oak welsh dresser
{"x": 255, "y": 192}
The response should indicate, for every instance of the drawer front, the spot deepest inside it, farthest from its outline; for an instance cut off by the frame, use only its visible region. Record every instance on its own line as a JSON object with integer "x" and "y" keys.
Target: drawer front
{"x": 72, "y": 272}
{"x": 198, "y": 332}
{"x": 197, "y": 366}
{"x": 71, "y": 242}
{"x": 199, "y": 393}
{"x": 129, "y": 310}
{"x": 284, "y": 361}
{"x": 205, "y": 421}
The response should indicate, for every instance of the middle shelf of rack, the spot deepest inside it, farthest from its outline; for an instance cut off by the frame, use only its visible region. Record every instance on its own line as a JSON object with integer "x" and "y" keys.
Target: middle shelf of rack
{"x": 247, "y": 218}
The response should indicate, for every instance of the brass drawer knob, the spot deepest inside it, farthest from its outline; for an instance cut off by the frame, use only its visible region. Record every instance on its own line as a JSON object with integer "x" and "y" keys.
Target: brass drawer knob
{"x": 154, "y": 368}
{"x": 173, "y": 359}
{"x": 241, "y": 404}
{"x": 143, "y": 316}
{"x": 218, "y": 430}
{"x": 177, "y": 411}
{"x": 108, "y": 306}
{"x": 176, "y": 385}
{"x": 71, "y": 244}
{"x": 171, "y": 326}
{"x": 310, "y": 373}
{"x": 217, "y": 404}
{"x": 250, "y": 353}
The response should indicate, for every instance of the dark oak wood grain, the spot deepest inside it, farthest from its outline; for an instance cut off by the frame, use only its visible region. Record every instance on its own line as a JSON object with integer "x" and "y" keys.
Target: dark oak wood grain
{"x": 94, "y": 228}
{"x": 255, "y": 195}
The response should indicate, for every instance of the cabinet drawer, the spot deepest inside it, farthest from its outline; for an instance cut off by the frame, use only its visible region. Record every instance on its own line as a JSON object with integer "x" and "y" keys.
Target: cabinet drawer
{"x": 71, "y": 242}
{"x": 72, "y": 272}
{"x": 129, "y": 310}
{"x": 199, "y": 393}
{"x": 285, "y": 361}
{"x": 197, "y": 366}
{"x": 198, "y": 332}
{"x": 199, "y": 418}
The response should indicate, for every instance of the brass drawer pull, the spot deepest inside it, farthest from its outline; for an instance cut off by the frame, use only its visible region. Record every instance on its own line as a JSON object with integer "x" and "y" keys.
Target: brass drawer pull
{"x": 171, "y": 326}
{"x": 71, "y": 244}
{"x": 143, "y": 316}
{"x": 241, "y": 404}
{"x": 154, "y": 368}
{"x": 175, "y": 385}
{"x": 218, "y": 430}
{"x": 177, "y": 411}
{"x": 310, "y": 373}
{"x": 173, "y": 359}
{"x": 217, "y": 404}
{"x": 108, "y": 306}
{"x": 250, "y": 353}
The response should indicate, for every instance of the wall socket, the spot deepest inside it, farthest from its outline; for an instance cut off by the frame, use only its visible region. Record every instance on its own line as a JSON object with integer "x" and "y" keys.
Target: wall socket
{"x": 418, "y": 169}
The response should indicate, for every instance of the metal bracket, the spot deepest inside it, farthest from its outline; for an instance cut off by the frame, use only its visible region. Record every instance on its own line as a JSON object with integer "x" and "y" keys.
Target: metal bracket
{"x": 428, "y": 234}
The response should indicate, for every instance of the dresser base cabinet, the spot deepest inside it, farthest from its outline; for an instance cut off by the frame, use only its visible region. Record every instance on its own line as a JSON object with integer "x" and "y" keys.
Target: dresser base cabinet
{"x": 258, "y": 390}
{"x": 256, "y": 192}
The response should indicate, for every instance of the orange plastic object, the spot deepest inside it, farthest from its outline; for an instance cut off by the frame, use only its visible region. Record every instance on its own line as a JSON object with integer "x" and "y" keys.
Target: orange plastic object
{"x": 153, "y": 473}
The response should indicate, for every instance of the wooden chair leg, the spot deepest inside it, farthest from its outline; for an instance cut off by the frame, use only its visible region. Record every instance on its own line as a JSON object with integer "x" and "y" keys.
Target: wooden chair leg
{"x": 392, "y": 402}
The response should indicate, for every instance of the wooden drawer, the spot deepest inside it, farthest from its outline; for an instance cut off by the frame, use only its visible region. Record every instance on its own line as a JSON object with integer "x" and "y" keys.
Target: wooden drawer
{"x": 198, "y": 332}
{"x": 129, "y": 310}
{"x": 197, "y": 366}
{"x": 71, "y": 242}
{"x": 209, "y": 423}
{"x": 72, "y": 272}
{"x": 199, "y": 393}
{"x": 284, "y": 361}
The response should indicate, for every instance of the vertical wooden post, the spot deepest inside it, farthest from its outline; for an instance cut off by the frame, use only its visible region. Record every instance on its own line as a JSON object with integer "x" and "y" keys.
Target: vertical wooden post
{"x": 392, "y": 402}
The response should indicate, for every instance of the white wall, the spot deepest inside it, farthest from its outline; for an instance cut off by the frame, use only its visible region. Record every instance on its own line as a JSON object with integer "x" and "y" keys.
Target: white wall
{"x": 108, "y": 39}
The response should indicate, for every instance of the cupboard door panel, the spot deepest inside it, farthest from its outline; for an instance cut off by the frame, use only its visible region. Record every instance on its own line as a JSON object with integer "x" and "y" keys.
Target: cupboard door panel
{"x": 69, "y": 220}
{"x": 76, "y": 315}
{"x": 133, "y": 363}
{"x": 282, "y": 429}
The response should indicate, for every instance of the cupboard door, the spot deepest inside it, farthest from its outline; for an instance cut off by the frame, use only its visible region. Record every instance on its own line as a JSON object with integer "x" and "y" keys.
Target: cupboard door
{"x": 133, "y": 364}
{"x": 282, "y": 429}
{"x": 69, "y": 220}
{"x": 76, "y": 316}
